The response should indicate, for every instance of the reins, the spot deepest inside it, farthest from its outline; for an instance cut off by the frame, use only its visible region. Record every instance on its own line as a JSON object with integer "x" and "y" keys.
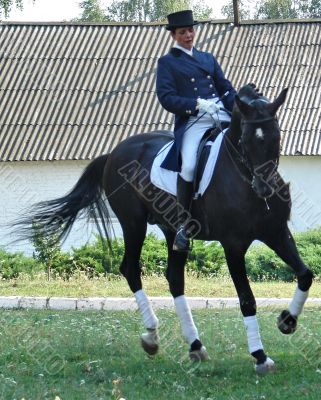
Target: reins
{"x": 240, "y": 158}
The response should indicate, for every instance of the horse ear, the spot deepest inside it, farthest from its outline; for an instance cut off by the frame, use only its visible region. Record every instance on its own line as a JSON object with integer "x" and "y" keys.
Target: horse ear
{"x": 277, "y": 103}
{"x": 245, "y": 109}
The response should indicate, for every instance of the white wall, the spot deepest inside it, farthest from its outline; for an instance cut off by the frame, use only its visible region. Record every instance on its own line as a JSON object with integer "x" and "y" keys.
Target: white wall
{"x": 304, "y": 175}
{"x": 24, "y": 183}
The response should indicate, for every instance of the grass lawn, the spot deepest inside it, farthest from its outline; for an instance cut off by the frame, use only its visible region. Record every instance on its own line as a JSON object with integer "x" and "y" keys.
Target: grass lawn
{"x": 81, "y": 286}
{"x": 97, "y": 355}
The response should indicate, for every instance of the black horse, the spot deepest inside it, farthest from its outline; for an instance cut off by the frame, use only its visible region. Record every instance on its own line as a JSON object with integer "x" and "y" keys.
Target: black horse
{"x": 246, "y": 200}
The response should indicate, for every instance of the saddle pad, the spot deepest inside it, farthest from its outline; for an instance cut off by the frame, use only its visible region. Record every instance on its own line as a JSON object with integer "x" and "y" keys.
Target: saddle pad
{"x": 167, "y": 180}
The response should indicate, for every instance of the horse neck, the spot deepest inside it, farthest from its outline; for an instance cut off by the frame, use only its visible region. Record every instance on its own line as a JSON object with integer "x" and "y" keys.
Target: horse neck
{"x": 234, "y": 132}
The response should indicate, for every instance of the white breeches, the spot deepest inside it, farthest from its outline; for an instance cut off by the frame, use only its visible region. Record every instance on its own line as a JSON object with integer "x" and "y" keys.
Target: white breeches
{"x": 192, "y": 138}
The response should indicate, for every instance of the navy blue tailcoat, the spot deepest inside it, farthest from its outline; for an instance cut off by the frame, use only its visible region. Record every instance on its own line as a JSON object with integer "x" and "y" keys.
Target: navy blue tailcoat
{"x": 180, "y": 80}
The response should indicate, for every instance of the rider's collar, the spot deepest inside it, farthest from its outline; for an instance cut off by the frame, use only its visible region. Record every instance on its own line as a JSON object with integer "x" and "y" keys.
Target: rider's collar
{"x": 189, "y": 52}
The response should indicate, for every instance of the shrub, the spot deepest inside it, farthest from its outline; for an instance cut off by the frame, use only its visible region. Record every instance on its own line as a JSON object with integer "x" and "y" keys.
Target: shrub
{"x": 13, "y": 264}
{"x": 309, "y": 246}
{"x": 96, "y": 258}
{"x": 154, "y": 255}
{"x": 206, "y": 258}
{"x": 47, "y": 247}
{"x": 263, "y": 264}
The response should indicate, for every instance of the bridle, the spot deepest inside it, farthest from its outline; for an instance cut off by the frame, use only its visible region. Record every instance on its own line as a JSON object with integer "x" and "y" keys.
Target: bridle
{"x": 242, "y": 157}
{"x": 253, "y": 122}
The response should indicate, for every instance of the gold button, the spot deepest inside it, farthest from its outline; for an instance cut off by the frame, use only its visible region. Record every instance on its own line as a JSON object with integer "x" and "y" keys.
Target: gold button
{"x": 211, "y": 85}
{"x": 195, "y": 88}
{"x": 208, "y": 76}
{"x": 192, "y": 79}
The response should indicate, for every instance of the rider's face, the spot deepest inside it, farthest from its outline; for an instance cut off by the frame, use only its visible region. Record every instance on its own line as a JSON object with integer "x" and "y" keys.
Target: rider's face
{"x": 184, "y": 36}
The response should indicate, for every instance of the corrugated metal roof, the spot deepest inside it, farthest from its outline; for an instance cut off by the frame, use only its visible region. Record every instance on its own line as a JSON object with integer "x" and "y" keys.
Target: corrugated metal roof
{"x": 72, "y": 91}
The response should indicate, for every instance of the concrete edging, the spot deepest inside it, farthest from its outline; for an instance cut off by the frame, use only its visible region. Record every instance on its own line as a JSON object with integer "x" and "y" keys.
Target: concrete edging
{"x": 129, "y": 303}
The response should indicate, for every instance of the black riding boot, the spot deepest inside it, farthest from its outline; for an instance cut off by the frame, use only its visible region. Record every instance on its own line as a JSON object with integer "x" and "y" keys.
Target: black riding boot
{"x": 184, "y": 200}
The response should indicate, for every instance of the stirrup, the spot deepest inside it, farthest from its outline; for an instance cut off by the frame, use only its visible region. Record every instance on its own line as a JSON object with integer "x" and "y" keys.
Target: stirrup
{"x": 181, "y": 241}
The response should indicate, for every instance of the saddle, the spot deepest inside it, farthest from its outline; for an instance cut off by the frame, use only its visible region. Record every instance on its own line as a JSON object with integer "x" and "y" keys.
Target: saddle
{"x": 203, "y": 152}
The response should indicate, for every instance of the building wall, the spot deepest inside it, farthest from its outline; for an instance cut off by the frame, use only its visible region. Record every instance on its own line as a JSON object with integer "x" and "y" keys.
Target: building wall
{"x": 25, "y": 183}
{"x": 304, "y": 174}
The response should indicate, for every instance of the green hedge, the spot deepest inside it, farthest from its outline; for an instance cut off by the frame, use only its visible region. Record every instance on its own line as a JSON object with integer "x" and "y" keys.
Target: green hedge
{"x": 205, "y": 258}
{"x": 14, "y": 264}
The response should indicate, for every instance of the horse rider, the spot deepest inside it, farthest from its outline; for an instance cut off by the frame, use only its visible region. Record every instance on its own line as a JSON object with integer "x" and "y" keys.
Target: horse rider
{"x": 191, "y": 85}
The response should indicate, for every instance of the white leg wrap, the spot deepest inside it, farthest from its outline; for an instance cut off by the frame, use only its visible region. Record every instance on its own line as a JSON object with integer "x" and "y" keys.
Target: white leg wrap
{"x": 184, "y": 313}
{"x": 253, "y": 334}
{"x": 297, "y": 303}
{"x": 149, "y": 318}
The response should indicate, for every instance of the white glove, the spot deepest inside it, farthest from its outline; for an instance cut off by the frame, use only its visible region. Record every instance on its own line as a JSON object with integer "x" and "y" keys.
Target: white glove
{"x": 208, "y": 106}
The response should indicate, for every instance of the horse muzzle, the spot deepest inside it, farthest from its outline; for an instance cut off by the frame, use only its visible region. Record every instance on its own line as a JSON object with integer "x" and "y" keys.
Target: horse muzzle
{"x": 262, "y": 188}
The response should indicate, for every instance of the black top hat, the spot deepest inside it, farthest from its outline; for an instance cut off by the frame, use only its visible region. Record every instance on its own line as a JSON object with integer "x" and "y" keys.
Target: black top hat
{"x": 179, "y": 19}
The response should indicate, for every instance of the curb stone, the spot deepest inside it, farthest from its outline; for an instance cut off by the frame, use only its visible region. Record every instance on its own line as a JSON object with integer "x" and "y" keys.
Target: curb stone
{"x": 129, "y": 303}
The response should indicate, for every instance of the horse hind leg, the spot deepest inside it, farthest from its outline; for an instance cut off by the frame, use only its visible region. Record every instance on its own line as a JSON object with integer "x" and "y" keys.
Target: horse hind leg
{"x": 284, "y": 246}
{"x": 175, "y": 277}
{"x": 130, "y": 268}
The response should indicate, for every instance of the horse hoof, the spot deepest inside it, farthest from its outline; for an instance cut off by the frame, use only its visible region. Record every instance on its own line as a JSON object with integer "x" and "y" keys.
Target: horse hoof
{"x": 287, "y": 323}
{"x": 150, "y": 341}
{"x": 265, "y": 368}
{"x": 199, "y": 355}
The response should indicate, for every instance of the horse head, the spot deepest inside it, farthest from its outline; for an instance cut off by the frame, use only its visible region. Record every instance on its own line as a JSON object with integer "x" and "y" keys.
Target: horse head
{"x": 260, "y": 137}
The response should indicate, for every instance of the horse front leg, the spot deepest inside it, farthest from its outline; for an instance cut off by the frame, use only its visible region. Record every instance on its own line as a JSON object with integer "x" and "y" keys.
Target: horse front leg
{"x": 175, "y": 277}
{"x": 284, "y": 246}
{"x": 236, "y": 264}
{"x": 130, "y": 268}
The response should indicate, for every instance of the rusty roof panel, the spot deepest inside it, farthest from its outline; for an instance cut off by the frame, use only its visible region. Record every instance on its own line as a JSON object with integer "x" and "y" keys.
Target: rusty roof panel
{"x": 72, "y": 91}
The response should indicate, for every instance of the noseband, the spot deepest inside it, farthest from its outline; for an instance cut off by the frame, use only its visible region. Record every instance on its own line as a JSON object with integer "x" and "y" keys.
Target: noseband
{"x": 258, "y": 121}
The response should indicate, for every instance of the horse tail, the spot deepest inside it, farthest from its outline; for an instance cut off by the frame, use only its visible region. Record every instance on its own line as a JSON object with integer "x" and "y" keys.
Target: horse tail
{"x": 55, "y": 218}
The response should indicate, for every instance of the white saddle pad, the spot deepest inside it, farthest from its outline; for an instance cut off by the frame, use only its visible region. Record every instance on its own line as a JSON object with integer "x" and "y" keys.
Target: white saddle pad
{"x": 167, "y": 180}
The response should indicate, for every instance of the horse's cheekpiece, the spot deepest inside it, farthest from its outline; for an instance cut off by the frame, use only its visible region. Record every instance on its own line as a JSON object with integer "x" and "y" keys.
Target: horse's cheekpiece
{"x": 230, "y": 211}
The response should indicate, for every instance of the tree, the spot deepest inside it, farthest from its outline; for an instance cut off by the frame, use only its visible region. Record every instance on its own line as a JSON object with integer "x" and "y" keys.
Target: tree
{"x": 154, "y": 10}
{"x": 92, "y": 12}
{"x": 5, "y": 6}
{"x": 244, "y": 9}
{"x": 275, "y": 9}
{"x": 310, "y": 8}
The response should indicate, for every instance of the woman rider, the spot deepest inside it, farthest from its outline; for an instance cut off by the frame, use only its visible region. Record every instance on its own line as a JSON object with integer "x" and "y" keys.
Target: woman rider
{"x": 190, "y": 84}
